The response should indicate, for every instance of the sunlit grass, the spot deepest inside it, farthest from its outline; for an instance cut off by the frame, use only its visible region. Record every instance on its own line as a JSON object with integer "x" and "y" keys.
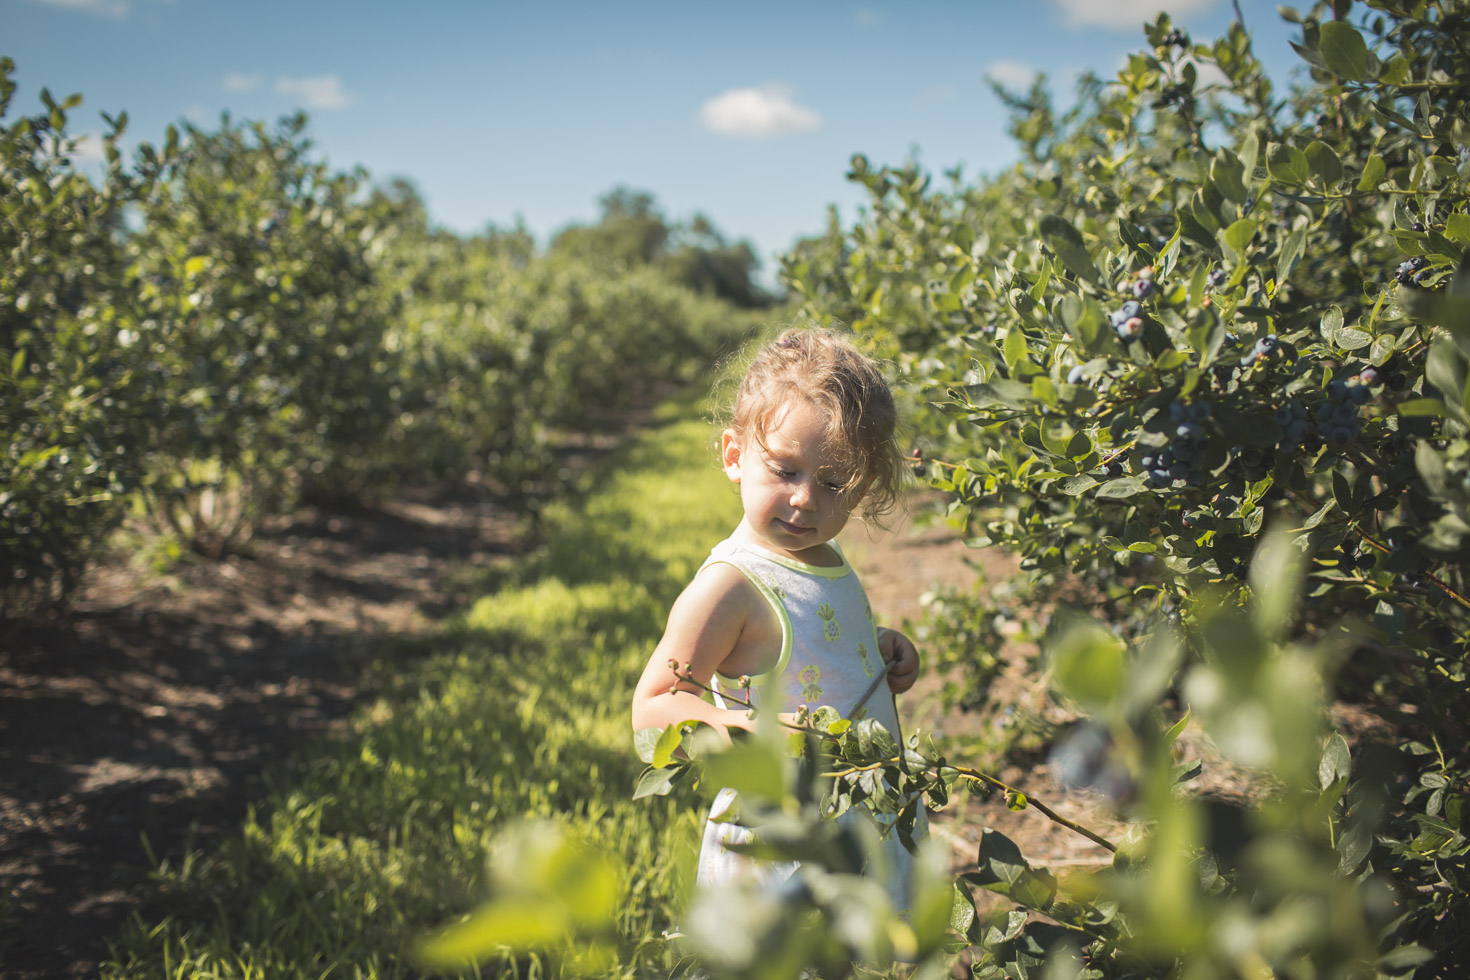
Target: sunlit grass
{"x": 516, "y": 709}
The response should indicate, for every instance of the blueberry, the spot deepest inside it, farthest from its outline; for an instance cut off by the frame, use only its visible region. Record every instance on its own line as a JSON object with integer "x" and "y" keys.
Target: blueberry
{"x": 1199, "y": 411}
{"x": 1361, "y": 394}
{"x": 1283, "y": 416}
{"x": 1189, "y": 430}
{"x": 1177, "y": 411}
{"x": 1337, "y": 390}
{"x": 1369, "y": 375}
{"x": 1296, "y": 431}
{"x": 1148, "y": 462}
{"x": 1142, "y": 288}
{"x": 1344, "y": 413}
{"x": 1418, "y": 226}
{"x": 1218, "y": 277}
{"x": 1131, "y": 309}
{"x": 1131, "y": 328}
{"x": 1118, "y": 318}
{"x": 1397, "y": 381}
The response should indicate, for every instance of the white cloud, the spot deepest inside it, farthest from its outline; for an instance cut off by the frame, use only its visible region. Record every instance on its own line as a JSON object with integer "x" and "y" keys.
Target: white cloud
{"x": 321, "y": 92}
{"x": 88, "y": 148}
{"x": 1011, "y": 74}
{"x": 115, "y": 9}
{"x": 239, "y": 81}
{"x": 757, "y": 113}
{"x": 1126, "y": 14}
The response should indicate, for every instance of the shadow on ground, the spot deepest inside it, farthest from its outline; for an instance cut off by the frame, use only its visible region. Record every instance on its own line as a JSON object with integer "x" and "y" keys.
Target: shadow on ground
{"x": 155, "y": 708}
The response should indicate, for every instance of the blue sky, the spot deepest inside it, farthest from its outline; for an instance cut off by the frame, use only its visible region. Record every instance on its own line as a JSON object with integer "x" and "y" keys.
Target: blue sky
{"x": 531, "y": 111}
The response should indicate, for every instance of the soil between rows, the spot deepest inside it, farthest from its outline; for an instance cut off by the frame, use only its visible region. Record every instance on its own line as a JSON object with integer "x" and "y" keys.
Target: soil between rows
{"x": 145, "y": 721}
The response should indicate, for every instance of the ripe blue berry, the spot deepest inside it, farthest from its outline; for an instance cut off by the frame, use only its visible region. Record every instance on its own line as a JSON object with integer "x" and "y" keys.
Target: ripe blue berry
{"x": 1218, "y": 277}
{"x": 1142, "y": 288}
{"x": 1131, "y": 309}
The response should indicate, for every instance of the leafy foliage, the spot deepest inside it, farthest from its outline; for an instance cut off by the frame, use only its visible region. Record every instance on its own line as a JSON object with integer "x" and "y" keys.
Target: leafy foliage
{"x": 1192, "y": 315}
{"x": 226, "y": 326}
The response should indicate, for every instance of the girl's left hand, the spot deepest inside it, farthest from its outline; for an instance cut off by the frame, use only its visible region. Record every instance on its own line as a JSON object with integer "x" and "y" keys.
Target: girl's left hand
{"x": 899, "y": 651}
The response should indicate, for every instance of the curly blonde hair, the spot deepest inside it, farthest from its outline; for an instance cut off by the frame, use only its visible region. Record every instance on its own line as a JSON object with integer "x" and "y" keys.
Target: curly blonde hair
{"x": 827, "y": 371}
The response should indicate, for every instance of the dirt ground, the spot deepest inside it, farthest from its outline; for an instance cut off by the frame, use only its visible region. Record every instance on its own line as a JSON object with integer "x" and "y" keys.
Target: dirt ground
{"x": 145, "y": 719}
{"x": 143, "y": 722}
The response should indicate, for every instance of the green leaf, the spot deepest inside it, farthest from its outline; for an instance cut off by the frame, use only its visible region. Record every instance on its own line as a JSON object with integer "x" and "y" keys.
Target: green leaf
{"x": 1064, "y": 240}
{"x": 1176, "y": 729}
{"x": 1457, "y": 226}
{"x": 1345, "y": 53}
{"x": 1291, "y": 253}
{"x": 1427, "y": 407}
{"x": 1238, "y": 236}
{"x": 1227, "y": 173}
{"x": 1324, "y": 163}
{"x": 1336, "y": 762}
{"x": 751, "y": 767}
{"x": 655, "y": 782}
{"x": 668, "y": 743}
{"x": 1075, "y": 485}
{"x": 644, "y": 741}
{"x": 1287, "y": 164}
{"x": 1014, "y": 349}
{"x": 1120, "y": 489}
{"x": 1001, "y": 868}
{"x": 1087, "y": 665}
{"x": 1373, "y": 173}
{"x": 1001, "y": 392}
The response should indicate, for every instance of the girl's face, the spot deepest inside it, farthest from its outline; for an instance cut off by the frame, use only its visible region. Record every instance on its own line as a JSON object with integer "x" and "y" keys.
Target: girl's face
{"x": 791, "y": 494}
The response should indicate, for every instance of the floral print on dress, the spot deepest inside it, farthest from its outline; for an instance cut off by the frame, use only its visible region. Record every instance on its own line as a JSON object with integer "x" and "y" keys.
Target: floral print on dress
{"x": 830, "y": 629}
{"x": 811, "y": 692}
{"x": 867, "y": 664}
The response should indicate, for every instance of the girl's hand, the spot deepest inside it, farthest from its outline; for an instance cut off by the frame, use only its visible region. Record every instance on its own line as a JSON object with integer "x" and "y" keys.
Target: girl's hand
{"x": 898, "y": 650}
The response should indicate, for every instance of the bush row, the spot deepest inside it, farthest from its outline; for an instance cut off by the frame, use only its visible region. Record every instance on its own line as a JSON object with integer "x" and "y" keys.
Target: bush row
{"x": 224, "y": 325}
{"x": 1196, "y": 315}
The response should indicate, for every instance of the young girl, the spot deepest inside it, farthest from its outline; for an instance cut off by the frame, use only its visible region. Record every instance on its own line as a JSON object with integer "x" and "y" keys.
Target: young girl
{"x": 812, "y": 438}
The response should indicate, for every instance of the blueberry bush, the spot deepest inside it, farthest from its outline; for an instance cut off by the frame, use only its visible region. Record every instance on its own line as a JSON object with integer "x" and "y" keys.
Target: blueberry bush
{"x": 1199, "y": 359}
{"x": 223, "y": 327}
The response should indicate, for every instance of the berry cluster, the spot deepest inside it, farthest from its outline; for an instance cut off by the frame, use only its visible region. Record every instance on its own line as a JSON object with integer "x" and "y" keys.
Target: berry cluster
{"x": 1411, "y": 270}
{"x": 1140, "y": 287}
{"x": 1253, "y": 464}
{"x": 1176, "y": 39}
{"x": 1181, "y": 461}
{"x": 1128, "y": 320}
{"x": 1350, "y": 559}
{"x": 1292, "y": 417}
{"x": 1264, "y": 348}
{"x": 1337, "y": 417}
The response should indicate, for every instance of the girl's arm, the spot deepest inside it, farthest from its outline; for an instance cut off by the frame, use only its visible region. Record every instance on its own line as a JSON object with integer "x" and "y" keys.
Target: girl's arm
{"x": 898, "y": 650}
{"x": 704, "y": 629}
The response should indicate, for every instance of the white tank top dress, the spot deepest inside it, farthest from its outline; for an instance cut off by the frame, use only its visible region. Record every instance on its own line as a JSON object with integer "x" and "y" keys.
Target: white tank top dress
{"x": 829, "y": 656}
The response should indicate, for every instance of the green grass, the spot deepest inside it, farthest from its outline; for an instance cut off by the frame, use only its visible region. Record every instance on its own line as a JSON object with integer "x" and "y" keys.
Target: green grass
{"x": 518, "y": 708}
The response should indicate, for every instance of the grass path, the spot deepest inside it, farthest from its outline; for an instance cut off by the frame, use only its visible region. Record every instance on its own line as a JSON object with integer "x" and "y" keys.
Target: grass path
{"x": 516, "y": 708}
